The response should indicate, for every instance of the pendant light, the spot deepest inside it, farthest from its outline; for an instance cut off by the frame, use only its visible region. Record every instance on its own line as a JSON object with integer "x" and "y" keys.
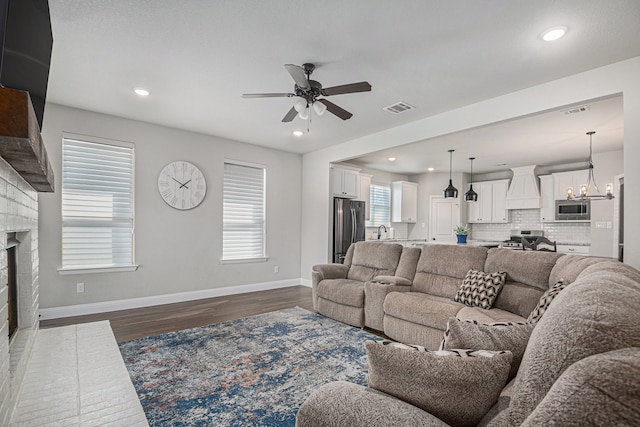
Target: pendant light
{"x": 471, "y": 196}
{"x": 585, "y": 189}
{"x": 450, "y": 191}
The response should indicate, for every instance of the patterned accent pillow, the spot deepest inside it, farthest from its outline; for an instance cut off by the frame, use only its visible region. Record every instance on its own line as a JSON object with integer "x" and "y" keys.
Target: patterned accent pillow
{"x": 459, "y": 387}
{"x": 469, "y": 334}
{"x": 545, "y": 301}
{"x": 480, "y": 289}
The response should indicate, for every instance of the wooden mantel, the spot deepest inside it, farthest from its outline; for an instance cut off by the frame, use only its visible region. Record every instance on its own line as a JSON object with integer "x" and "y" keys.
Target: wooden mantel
{"x": 21, "y": 144}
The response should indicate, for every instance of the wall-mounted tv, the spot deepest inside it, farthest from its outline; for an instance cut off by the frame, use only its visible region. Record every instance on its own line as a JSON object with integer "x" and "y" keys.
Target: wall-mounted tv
{"x": 25, "y": 49}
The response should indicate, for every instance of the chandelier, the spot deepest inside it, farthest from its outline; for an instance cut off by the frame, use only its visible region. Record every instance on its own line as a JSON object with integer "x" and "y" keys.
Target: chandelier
{"x": 585, "y": 189}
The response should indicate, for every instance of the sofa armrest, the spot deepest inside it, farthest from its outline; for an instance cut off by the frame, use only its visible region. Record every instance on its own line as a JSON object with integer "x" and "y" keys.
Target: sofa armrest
{"x": 331, "y": 271}
{"x": 393, "y": 280}
{"x": 345, "y": 404}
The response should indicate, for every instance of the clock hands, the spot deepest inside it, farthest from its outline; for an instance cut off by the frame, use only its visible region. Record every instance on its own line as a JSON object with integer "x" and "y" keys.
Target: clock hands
{"x": 181, "y": 184}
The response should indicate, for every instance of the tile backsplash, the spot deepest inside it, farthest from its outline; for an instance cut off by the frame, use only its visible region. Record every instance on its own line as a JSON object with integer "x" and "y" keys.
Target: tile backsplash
{"x": 529, "y": 219}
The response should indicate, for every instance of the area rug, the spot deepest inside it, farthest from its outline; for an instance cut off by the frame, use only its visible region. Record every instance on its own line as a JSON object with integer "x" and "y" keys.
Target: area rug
{"x": 255, "y": 371}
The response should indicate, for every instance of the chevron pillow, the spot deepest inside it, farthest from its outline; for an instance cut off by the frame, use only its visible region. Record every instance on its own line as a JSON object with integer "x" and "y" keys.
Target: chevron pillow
{"x": 545, "y": 301}
{"x": 480, "y": 289}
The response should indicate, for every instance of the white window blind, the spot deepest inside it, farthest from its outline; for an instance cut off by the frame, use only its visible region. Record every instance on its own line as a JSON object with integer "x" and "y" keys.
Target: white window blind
{"x": 380, "y": 213}
{"x": 243, "y": 212}
{"x": 97, "y": 204}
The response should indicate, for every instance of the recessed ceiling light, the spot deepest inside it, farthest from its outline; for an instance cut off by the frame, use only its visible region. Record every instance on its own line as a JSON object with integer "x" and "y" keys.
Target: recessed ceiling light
{"x": 392, "y": 159}
{"x": 140, "y": 91}
{"x": 298, "y": 133}
{"x": 554, "y": 33}
{"x": 431, "y": 169}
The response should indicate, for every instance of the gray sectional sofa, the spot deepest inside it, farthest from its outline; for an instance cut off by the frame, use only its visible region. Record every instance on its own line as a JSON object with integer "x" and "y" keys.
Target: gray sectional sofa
{"x": 581, "y": 365}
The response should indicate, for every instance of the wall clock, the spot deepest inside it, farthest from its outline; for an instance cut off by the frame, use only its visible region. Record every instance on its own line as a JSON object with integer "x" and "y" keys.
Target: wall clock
{"x": 182, "y": 185}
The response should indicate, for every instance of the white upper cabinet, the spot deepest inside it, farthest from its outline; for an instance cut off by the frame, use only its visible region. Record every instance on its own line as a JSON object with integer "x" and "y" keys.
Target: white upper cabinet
{"x": 564, "y": 180}
{"x": 491, "y": 206}
{"x": 346, "y": 182}
{"x": 365, "y": 194}
{"x": 547, "y": 201}
{"x": 404, "y": 201}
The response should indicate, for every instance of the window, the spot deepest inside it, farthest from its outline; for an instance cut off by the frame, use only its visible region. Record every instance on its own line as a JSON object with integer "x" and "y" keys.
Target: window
{"x": 97, "y": 204}
{"x": 243, "y": 213}
{"x": 380, "y": 213}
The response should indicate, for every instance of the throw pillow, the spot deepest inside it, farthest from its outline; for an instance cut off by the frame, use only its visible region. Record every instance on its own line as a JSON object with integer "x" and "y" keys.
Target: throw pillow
{"x": 511, "y": 336}
{"x": 480, "y": 289}
{"x": 545, "y": 301}
{"x": 459, "y": 387}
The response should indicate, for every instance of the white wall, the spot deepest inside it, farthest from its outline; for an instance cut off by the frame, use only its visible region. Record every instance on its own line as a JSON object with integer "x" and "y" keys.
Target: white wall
{"x": 616, "y": 78}
{"x": 178, "y": 251}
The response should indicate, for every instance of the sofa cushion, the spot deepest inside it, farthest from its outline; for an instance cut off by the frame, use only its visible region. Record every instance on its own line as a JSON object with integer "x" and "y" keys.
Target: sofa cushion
{"x": 480, "y": 289}
{"x": 458, "y": 387}
{"x": 342, "y": 291}
{"x": 442, "y": 267}
{"x": 518, "y": 298}
{"x": 372, "y": 259}
{"x": 512, "y": 336}
{"x": 568, "y": 267}
{"x": 488, "y": 316}
{"x": 528, "y": 267}
{"x": 408, "y": 263}
{"x": 545, "y": 300}
{"x": 596, "y": 314}
{"x": 603, "y": 389}
{"x": 423, "y": 309}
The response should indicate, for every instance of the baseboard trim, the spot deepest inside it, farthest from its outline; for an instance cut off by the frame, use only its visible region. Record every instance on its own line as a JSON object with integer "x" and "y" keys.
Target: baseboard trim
{"x": 125, "y": 304}
{"x": 306, "y": 282}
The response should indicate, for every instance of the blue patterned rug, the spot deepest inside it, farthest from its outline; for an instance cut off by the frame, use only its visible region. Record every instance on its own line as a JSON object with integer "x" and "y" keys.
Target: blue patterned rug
{"x": 255, "y": 371}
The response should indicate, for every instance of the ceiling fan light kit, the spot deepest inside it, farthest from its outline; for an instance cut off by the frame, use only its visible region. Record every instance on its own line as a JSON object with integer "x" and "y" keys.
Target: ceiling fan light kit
{"x": 585, "y": 189}
{"x": 310, "y": 93}
{"x": 450, "y": 191}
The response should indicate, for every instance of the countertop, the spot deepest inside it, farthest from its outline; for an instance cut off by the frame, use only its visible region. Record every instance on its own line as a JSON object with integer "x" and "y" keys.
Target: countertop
{"x": 430, "y": 242}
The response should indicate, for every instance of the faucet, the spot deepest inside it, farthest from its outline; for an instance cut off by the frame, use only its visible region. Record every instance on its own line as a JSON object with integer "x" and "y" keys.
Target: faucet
{"x": 385, "y": 230}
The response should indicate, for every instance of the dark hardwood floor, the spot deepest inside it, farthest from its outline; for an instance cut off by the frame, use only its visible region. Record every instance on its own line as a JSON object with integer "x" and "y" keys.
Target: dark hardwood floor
{"x": 141, "y": 322}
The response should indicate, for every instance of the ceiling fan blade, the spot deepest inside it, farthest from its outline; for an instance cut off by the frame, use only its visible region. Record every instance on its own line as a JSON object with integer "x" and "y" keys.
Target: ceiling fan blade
{"x": 290, "y": 115}
{"x": 267, "y": 95}
{"x": 349, "y": 88}
{"x": 298, "y": 75}
{"x": 334, "y": 109}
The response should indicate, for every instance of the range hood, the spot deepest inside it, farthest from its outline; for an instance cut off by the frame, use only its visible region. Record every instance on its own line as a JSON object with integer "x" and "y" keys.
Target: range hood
{"x": 523, "y": 191}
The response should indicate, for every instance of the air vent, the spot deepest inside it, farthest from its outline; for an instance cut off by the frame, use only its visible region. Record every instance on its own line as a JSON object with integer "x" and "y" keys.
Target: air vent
{"x": 398, "y": 107}
{"x": 574, "y": 110}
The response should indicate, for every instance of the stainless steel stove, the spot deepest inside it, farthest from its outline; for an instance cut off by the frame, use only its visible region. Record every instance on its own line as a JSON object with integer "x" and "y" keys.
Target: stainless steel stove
{"x": 515, "y": 241}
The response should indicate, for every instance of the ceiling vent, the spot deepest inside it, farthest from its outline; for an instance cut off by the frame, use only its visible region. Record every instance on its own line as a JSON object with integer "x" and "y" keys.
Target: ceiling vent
{"x": 574, "y": 110}
{"x": 398, "y": 107}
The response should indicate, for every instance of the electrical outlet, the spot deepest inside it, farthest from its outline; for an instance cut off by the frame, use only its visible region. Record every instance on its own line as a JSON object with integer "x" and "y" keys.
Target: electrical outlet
{"x": 422, "y": 225}
{"x": 79, "y": 287}
{"x": 276, "y": 269}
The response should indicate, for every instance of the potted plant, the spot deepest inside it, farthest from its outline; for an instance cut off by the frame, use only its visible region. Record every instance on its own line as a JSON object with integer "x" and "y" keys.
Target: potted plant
{"x": 461, "y": 233}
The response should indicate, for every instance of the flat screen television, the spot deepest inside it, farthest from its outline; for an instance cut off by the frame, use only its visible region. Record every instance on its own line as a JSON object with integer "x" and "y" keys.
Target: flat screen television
{"x": 25, "y": 49}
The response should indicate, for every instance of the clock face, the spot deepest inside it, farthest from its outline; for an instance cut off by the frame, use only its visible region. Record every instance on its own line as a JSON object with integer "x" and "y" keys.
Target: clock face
{"x": 182, "y": 185}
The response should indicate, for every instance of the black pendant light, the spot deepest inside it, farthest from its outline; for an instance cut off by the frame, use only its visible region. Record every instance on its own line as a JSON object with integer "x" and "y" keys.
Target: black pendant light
{"x": 450, "y": 191}
{"x": 471, "y": 196}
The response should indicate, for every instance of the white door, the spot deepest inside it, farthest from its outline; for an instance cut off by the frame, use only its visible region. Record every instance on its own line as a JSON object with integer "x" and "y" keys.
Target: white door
{"x": 444, "y": 217}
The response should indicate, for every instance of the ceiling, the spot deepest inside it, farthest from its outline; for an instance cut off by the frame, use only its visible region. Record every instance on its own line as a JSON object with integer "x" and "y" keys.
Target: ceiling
{"x": 197, "y": 57}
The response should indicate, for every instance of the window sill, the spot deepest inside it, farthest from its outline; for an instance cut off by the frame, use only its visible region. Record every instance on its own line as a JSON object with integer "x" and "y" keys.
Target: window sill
{"x": 243, "y": 260}
{"x": 92, "y": 270}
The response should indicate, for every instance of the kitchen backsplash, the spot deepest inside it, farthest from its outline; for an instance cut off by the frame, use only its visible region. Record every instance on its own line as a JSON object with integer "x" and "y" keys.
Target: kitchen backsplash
{"x": 529, "y": 219}
{"x": 400, "y": 230}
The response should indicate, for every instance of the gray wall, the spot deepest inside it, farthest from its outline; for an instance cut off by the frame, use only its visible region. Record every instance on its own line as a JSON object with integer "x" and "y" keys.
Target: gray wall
{"x": 178, "y": 251}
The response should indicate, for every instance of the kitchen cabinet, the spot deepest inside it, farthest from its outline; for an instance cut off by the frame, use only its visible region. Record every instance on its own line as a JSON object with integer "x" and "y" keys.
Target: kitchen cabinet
{"x": 404, "y": 201}
{"x": 365, "y": 194}
{"x": 345, "y": 182}
{"x": 574, "y": 249}
{"x": 491, "y": 206}
{"x": 564, "y": 180}
{"x": 547, "y": 199}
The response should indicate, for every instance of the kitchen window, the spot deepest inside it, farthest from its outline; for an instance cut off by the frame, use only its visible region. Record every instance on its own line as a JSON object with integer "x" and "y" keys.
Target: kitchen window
{"x": 380, "y": 205}
{"x": 243, "y": 230}
{"x": 97, "y": 205}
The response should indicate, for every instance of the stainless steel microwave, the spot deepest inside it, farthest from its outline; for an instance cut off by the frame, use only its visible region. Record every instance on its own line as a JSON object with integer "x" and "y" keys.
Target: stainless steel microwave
{"x": 573, "y": 210}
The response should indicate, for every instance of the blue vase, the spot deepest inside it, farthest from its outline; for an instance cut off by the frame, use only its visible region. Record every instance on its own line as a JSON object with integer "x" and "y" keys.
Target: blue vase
{"x": 462, "y": 238}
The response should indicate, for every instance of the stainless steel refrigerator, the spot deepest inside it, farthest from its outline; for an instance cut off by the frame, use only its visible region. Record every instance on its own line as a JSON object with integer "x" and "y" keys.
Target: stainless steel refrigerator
{"x": 348, "y": 226}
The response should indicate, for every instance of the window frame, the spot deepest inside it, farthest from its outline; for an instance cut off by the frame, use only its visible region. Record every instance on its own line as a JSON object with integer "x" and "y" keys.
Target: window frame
{"x": 370, "y": 222}
{"x": 66, "y": 270}
{"x": 263, "y": 257}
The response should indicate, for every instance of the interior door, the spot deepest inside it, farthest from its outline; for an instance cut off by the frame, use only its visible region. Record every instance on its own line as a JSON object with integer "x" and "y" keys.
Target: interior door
{"x": 444, "y": 217}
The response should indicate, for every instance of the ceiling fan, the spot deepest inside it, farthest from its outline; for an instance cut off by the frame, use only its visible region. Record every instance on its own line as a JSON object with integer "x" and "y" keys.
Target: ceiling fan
{"x": 309, "y": 91}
